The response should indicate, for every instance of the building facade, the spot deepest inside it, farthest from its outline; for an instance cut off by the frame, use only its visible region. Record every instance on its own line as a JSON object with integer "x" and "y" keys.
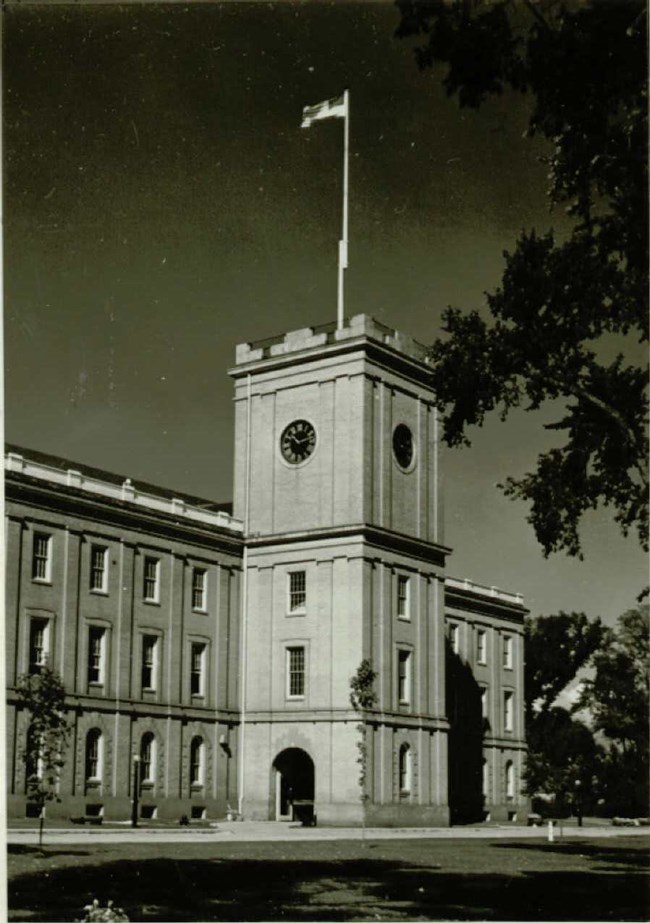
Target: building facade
{"x": 218, "y": 649}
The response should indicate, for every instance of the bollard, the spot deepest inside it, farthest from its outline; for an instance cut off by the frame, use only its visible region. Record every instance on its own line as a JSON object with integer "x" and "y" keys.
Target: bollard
{"x": 551, "y": 836}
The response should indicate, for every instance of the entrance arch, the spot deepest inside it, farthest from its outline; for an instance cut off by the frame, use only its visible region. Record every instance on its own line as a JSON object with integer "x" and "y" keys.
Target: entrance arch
{"x": 294, "y": 780}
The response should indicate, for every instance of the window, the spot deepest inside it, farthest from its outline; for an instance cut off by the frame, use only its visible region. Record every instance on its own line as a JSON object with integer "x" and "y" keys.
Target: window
{"x": 151, "y": 569}
{"x": 508, "y": 703}
{"x": 197, "y": 761}
{"x": 98, "y": 574}
{"x": 297, "y": 591}
{"x": 147, "y": 757}
{"x": 403, "y": 610}
{"x": 510, "y": 781}
{"x": 295, "y": 672}
{"x": 484, "y": 702}
{"x": 198, "y": 588}
{"x": 454, "y": 638}
{"x": 39, "y": 643}
{"x": 507, "y": 652}
{"x": 96, "y": 654}
{"x": 481, "y": 646}
{"x": 404, "y": 677}
{"x": 197, "y": 664}
{"x": 149, "y": 661}
{"x": 93, "y": 755}
{"x": 41, "y": 559}
{"x": 405, "y": 768}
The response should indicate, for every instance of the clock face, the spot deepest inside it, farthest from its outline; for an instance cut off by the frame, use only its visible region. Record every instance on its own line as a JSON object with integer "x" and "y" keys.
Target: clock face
{"x": 403, "y": 445}
{"x": 298, "y": 441}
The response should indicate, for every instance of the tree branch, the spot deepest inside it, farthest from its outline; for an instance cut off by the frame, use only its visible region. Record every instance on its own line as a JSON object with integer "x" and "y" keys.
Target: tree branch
{"x": 580, "y": 392}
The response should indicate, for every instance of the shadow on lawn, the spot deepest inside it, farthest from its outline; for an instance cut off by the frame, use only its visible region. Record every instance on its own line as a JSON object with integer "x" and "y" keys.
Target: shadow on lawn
{"x": 359, "y": 889}
{"x": 633, "y": 857}
{"x": 45, "y": 852}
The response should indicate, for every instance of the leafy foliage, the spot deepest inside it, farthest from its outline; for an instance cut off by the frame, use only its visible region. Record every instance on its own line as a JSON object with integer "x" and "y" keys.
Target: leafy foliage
{"x": 362, "y": 698}
{"x": 607, "y": 752}
{"x": 561, "y": 299}
{"x": 561, "y": 752}
{"x": 556, "y": 646}
{"x": 43, "y": 696}
{"x": 95, "y": 913}
{"x": 618, "y": 699}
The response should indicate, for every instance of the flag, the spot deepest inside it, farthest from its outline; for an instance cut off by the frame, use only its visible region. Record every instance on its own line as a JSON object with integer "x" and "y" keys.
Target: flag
{"x": 330, "y": 109}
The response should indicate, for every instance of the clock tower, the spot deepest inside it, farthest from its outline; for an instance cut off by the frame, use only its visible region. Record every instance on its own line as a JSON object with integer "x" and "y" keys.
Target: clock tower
{"x": 336, "y": 481}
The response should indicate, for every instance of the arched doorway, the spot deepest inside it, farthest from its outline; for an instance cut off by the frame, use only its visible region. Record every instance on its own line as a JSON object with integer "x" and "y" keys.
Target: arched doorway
{"x": 294, "y": 781}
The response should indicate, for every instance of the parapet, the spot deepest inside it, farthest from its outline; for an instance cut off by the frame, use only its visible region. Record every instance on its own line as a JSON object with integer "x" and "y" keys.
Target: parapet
{"x": 126, "y": 492}
{"x": 359, "y": 326}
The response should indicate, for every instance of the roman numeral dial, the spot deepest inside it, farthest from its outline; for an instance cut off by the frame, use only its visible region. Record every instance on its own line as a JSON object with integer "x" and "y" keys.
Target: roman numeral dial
{"x": 298, "y": 441}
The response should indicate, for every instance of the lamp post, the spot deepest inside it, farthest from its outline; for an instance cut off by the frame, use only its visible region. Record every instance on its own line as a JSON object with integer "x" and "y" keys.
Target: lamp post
{"x": 136, "y": 791}
{"x": 577, "y": 801}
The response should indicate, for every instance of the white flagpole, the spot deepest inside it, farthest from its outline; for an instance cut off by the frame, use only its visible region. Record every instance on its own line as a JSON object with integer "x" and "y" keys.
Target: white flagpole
{"x": 343, "y": 243}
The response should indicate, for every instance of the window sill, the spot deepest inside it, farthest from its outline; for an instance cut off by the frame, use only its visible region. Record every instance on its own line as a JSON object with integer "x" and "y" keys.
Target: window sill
{"x": 404, "y": 618}
{"x": 301, "y": 611}
{"x": 295, "y": 698}
{"x": 197, "y": 786}
{"x": 151, "y": 602}
{"x": 95, "y": 686}
{"x": 94, "y": 592}
{"x": 199, "y": 610}
{"x": 198, "y": 698}
{"x": 43, "y": 581}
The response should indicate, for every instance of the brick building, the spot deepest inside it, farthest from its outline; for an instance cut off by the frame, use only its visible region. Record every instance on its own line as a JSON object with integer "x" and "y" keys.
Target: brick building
{"x": 218, "y": 648}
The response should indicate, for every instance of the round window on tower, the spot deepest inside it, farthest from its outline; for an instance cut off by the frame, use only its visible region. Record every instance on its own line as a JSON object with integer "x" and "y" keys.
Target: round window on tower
{"x": 403, "y": 445}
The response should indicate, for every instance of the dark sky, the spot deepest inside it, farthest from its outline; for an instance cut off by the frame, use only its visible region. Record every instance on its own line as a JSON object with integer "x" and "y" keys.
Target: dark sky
{"x": 162, "y": 204}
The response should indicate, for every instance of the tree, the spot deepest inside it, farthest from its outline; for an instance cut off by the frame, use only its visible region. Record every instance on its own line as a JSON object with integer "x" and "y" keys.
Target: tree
{"x": 617, "y": 698}
{"x": 562, "y": 751}
{"x": 43, "y": 696}
{"x": 556, "y": 646}
{"x": 363, "y": 698}
{"x": 562, "y": 301}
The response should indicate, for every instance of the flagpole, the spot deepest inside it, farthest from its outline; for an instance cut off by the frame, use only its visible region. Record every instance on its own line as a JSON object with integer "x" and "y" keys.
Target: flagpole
{"x": 343, "y": 243}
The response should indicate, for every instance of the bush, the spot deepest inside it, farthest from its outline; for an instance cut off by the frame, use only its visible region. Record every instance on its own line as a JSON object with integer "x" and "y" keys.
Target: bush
{"x": 93, "y": 913}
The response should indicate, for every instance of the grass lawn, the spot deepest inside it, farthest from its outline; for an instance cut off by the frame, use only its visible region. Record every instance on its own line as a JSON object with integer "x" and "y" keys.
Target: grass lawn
{"x": 602, "y": 879}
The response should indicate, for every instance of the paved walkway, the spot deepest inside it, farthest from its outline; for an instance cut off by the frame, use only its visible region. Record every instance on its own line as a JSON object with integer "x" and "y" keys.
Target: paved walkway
{"x": 272, "y": 831}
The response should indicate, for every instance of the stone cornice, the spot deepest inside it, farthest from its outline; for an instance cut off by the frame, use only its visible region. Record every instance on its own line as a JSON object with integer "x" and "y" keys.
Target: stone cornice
{"x": 70, "y": 501}
{"x": 375, "y": 536}
{"x": 346, "y": 716}
{"x": 138, "y": 709}
{"x": 482, "y": 604}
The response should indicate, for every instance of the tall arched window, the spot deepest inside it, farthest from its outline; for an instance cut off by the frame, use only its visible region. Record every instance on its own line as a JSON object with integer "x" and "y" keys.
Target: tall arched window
{"x": 510, "y": 781}
{"x": 405, "y": 768}
{"x": 94, "y": 753}
{"x": 147, "y": 757}
{"x": 197, "y": 761}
